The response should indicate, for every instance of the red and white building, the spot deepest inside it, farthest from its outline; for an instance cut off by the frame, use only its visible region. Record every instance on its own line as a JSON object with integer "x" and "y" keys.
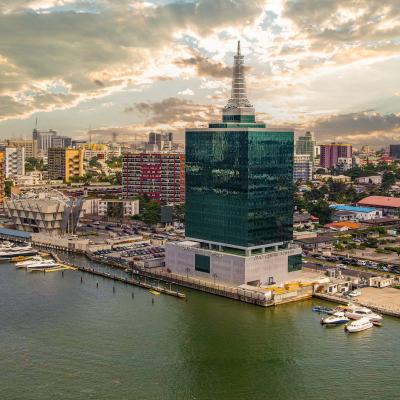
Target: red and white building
{"x": 388, "y": 205}
{"x": 160, "y": 176}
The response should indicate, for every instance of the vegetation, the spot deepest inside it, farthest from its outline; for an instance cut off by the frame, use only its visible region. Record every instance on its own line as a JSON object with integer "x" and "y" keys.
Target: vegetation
{"x": 7, "y": 187}
{"x": 115, "y": 162}
{"x": 34, "y": 164}
{"x": 149, "y": 211}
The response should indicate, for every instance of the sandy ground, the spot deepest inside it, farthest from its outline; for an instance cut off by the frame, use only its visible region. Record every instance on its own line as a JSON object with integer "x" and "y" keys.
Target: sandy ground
{"x": 386, "y": 298}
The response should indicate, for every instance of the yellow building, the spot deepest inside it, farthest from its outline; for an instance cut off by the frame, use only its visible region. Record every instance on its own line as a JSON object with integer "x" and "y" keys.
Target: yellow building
{"x": 65, "y": 163}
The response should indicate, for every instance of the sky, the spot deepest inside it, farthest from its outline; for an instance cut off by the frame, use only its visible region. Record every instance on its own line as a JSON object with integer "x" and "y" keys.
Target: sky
{"x": 126, "y": 66}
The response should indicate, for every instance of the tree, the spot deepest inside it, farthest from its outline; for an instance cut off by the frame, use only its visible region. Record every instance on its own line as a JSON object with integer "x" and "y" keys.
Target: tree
{"x": 321, "y": 210}
{"x": 7, "y": 188}
{"x": 94, "y": 162}
{"x": 151, "y": 212}
{"x": 388, "y": 179}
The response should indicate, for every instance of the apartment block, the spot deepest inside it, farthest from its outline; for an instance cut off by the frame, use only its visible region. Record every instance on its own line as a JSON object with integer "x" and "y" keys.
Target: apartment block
{"x": 14, "y": 162}
{"x": 160, "y": 176}
{"x": 65, "y": 163}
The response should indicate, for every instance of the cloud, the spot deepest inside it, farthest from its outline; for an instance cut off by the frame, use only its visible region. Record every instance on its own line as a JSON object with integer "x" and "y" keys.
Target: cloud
{"x": 186, "y": 92}
{"x": 205, "y": 67}
{"x": 173, "y": 111}
{"x": 103, "y": 46}
{"x": 361, "y": 127}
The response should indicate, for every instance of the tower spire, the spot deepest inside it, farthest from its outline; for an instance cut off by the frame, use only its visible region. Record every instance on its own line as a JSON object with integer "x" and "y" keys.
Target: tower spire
{"x": 238, "y": 93}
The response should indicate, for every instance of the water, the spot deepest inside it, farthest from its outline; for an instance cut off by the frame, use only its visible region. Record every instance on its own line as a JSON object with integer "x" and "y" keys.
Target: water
{"x": 63, "y": 339}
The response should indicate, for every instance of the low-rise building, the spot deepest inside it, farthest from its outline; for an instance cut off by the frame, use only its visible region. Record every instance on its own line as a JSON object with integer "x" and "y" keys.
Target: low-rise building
{"x": 45, "y": 212}
{"x": 117, "y": 208}
{"x": 388, "y": 205}
{"x": 353, "y": 213}
{"x": 381, "y": 281}
{"x": 370, "y": 180}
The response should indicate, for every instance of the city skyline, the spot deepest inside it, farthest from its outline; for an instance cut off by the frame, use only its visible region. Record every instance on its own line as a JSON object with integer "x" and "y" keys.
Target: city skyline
{"x": 331, "y": 67}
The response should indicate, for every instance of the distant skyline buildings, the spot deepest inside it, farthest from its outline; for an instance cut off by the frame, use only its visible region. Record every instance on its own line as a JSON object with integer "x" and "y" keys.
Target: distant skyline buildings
{"x": 334, "y": 154}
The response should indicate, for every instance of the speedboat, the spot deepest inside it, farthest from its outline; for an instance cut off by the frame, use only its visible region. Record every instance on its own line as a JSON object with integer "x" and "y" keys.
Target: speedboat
{"x": 27, "y": 262}
{"x": 360, "y": 312}
{"x": 41, "y": 265}
{"x": 336, "y": 318}
{"x": 359, "y": 325}
{"x": 322, "y": 309}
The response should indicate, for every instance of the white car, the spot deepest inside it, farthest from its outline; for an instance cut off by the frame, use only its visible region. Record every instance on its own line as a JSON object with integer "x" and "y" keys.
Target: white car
{"x": 342, "y": 266}
{"x": 355, "y": 293}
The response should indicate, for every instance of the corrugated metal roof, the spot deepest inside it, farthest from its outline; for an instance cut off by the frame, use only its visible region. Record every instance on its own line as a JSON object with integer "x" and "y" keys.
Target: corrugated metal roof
{"x": 14, "y": 232}
{"x": 344, "y": 207}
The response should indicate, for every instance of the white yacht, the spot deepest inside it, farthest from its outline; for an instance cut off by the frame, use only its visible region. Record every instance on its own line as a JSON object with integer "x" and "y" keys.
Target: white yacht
{"x": 359, "y": 325}
{"x": 336, "y": 318}
{"x": 41, "y": 265}
{"x": 22, "y": 264}
{"x": 15, "y": 251}
{"x": 361, "y": 312}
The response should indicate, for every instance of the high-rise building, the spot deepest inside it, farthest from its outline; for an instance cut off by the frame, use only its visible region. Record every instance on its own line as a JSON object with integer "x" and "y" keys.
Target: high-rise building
{"x": 61, "y": 141}
{"x": 65, "y": 163}
{"x": 14, "y": 161}
{"x": 394, "y": 150}
{"x": 306, "y": 145}
{"x": 159, "y": 142}
{"x": 44, "y": 140}
{"x": 160, "y": 176}
{"x": 330, "y": 153}
{"x": 239, "y": 198}
{"x": 29, "y": 145}
{"x": 302, "y": 168}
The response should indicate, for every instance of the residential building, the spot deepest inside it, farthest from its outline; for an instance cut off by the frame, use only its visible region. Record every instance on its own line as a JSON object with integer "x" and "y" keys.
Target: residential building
{"x": 14, "y": 162}
{"x": 330, "y": 153}
{"x": 370, "y": 180}
{"x": 306, "y": 145}
{"x": 335, "y": 178}
{"x": 78, "y": 143}
{"x": 30, "y": 146}
{"x": 394, "y": 150}
{"x": 96, "y": 150}
{"x": 117, "y": 208}
{"x": 65, "y": 163}
{"x": 239, "y": 198}
{"x": 160, "y": 176}
{"x": 388, "y": 205}
{"x": 302, "y": 168}
{"x": 344, "y": 163}
{"x": 354, "y": 213}
{"x": 45, "y": 212}
{"x": 2, "y": 176}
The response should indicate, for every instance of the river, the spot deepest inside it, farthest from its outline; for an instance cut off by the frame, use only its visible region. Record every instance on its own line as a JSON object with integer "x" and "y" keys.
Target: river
{"x": 61, "y": 338}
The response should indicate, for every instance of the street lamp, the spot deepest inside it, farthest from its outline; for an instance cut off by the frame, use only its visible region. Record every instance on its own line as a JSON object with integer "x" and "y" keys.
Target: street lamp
{"x": 187, "y": 272}
{"x": 215, "y": 276}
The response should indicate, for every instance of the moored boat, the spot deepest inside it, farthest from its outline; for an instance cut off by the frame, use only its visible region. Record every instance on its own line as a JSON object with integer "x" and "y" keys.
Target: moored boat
{"x": 359, "y": 325}
{"x": 336, "y": 318}
{"x": 356, "y": 312}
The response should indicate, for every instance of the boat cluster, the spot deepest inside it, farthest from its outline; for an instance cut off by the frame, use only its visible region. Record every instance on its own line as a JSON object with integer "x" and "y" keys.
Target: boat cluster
{"x": 37, "y": 263}
{"x": 10, "y": 251}
{"x": 355, "y": 318}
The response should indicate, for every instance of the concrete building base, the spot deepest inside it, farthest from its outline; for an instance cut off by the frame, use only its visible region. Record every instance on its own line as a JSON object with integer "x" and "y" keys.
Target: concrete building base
{"x": 224, "y": 267}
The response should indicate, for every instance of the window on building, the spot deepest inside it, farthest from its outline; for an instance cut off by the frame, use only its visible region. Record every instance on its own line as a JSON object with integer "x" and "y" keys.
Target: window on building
{"x": 202, "y": 263}
{"x": 294, "y": 263}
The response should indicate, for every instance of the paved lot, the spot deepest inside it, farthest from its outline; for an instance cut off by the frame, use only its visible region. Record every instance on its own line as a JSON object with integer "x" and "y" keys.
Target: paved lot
{"x": 386, "y": 298}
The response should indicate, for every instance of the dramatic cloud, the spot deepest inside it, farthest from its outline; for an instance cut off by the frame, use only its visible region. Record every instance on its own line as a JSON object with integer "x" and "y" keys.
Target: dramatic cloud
{"x": 206, "y": 67}
{"x": 310, "y": 63}
{"x": 173, "y": 110}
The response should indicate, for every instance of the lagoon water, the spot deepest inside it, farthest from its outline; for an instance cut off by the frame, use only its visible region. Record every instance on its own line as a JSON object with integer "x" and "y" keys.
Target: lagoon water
{"x": 63, "y": 339}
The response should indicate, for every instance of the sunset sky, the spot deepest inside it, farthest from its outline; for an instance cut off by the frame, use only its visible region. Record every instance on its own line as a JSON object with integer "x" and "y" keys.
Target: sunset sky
{"x": 136, "y": 66}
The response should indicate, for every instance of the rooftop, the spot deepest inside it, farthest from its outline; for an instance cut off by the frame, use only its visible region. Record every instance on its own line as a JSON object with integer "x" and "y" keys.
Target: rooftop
{"x": 381, "y": 201}
{"x": 344, "y": 207}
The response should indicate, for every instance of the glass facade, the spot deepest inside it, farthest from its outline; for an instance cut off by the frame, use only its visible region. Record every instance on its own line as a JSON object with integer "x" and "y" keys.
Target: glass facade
{"x": 294, "y": 263}
{"x": 239, "y": 186}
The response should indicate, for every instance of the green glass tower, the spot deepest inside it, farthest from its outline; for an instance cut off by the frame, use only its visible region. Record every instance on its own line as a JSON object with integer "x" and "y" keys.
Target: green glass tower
{"x": 239, "y": 178}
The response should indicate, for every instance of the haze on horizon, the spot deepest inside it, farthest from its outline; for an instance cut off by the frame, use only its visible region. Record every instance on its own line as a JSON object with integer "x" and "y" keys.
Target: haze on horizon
{"x": 135, "y": 66}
